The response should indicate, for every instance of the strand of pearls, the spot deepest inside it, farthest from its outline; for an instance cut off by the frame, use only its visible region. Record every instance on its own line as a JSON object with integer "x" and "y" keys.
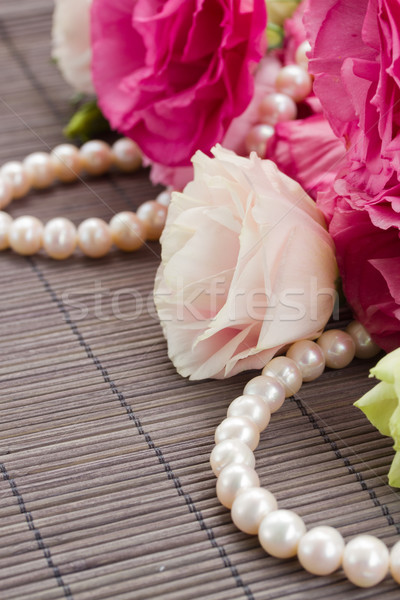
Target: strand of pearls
{"x": 282, "y": 533}
{"x": 127, "y": 230}
{"x": 292, "y": 85}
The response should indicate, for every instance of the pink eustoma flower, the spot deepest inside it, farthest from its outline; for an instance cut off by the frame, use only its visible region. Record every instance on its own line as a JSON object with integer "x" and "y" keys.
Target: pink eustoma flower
{"x": 307, "y": 150}
{"x": 173, "y": 75}
{"x": 356, "y": 63}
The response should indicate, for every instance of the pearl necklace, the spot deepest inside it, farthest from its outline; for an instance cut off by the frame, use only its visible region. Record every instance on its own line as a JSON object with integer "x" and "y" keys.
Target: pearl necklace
{"x": 59, "y": 238}
{"x": 128, "y": 231}
{"x": 282, "y": 533}
{"x": 254, "y": 510}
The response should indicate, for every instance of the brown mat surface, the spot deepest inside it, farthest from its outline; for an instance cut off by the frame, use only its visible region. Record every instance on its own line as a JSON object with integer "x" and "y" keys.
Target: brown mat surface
{"x": 106, "y": 490}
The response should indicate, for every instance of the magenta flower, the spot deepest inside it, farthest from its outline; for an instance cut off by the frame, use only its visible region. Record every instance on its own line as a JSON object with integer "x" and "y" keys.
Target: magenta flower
{"x": 234, "y": 138}
{"x": 369, "y": 261}
{"x": 172, "y": 75}
{"x": 308, "y": 151}
{"x": 356, "y": 63}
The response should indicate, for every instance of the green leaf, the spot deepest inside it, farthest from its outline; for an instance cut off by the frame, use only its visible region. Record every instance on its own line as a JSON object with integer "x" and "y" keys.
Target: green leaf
{"x": 394, "y": 473}
{"x": 88, "y": 122}
{"x": 382, "y": 406}
{"x": 279, "y": 10}
{"x": 388, "y": 368}
{"x": 275, "y": 35}
{"x": 394, "y": 425}
{"x": 378, "y": 405}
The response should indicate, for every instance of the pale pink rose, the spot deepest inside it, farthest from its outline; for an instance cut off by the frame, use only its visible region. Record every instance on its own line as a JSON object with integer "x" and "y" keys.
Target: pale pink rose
{"x": 247, "y": 267}
{"x": 71, "y": 42}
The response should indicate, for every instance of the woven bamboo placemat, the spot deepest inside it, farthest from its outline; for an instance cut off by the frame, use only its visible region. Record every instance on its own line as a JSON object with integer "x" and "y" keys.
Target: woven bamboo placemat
{"x": 106, "y": 490}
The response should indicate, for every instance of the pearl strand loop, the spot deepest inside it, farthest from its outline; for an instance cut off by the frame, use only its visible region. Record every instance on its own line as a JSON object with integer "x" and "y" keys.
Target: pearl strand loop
{"x": 282, "y": 533}
{"x": 59, "y": 238}
{"x": 128, "y": 231}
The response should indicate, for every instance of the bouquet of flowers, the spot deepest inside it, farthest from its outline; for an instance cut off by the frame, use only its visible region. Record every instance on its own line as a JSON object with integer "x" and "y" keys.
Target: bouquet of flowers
{"x": 283, "y": 155}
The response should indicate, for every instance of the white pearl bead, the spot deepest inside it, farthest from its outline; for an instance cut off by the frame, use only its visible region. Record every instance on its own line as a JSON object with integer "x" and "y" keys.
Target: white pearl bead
{"x": 40, "y": 169}
{"x": 126, "y": 155}
{"x": 25, "y": 235}
{"x": 153, "y": 215}
{"x": 365, "y": 346}
{"x": 6, "y": 192}
{"x": 67, "y": 162}
{"x": 94, "y": 237}
{"x": 5, "y": 224}
{"x": 320, "y": 550}
{"x": 395, "y": 562}
{"x": 280, "y": 532}
{"x": 338, "y": 348}
{"x": 239, "y": 428}
{"x": 257, "y": 139}
{"x": 269, "y": 388}
{"x": 228, "y": 452}
{"x": 15, "y": 172}
{"x": 309, "y": 357}
{"x": 127, "y": 231}
{"x": 232, "y": 479}
{"x": 286, "y": 372}
{"x": 300, "y": 56}
{"x": 164, "y": 198}
{"x": 96, "y": 157}
{"x": 275, "y": 108}
{"x": 294, "y": 81}
{"x": 250, "y": 507}
{"x": 252, "y": 407}
{"x": 59, "y": 238}
{"x": 365, "y": 560}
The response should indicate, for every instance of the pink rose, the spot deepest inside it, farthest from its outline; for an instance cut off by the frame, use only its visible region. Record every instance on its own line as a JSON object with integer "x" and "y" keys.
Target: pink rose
{"x": 234, "y": 139}
{"x": 173, "y": 75}
{"x": 247, "y": 267}
{"x": 308, "y": 151}
{"x": 356, "y": 63}
{"x": 369, "y": 260}
{"x": 71, "y": 43}
{"x": 355, "y": 60}
{"x": 174, "y": 177}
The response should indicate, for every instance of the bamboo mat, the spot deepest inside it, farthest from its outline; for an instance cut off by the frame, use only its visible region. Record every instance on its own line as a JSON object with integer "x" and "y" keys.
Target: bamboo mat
{"x": 106, "y": 492}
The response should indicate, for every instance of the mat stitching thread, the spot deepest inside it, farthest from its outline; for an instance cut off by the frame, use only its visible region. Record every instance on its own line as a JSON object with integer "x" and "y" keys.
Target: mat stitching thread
{"x": 38, "y": 537}
{"x": 170, "y": 474}
{"x": 383, "y": 507}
